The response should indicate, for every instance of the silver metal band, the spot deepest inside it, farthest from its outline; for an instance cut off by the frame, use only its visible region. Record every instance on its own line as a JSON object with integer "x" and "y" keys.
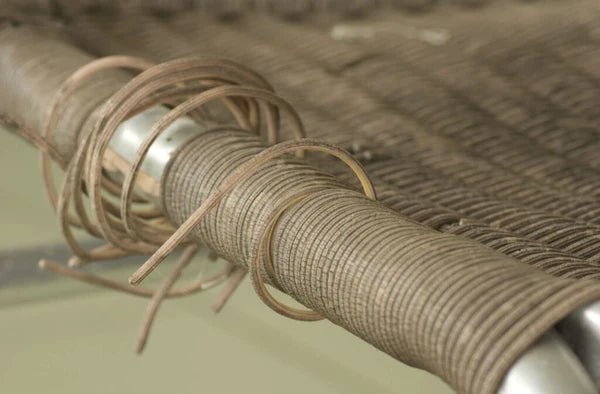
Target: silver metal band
{"x": 548, "y": 367}
{"x": 130, "y": 134}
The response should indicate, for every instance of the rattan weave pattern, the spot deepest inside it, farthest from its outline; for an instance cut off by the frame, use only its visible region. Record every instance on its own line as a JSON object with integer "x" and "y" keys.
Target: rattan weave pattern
{"x": 474, "y": 143}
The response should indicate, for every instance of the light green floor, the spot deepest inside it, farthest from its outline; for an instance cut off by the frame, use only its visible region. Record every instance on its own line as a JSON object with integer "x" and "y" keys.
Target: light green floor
{"x": 64, "y": 337}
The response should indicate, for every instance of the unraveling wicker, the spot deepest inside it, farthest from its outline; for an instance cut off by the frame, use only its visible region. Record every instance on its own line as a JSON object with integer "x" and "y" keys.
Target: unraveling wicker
{"x": 197, "y": 83}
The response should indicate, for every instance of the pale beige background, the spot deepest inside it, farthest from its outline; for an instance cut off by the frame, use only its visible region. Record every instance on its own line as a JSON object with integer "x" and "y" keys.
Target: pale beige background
{"x": 64, "y": 337}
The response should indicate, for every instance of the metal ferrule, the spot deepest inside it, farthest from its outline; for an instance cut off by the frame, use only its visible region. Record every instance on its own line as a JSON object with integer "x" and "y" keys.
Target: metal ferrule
{"x": 124, "y": 144}
{"x": 548, "y": 367}
{"x": 581, "y": 330}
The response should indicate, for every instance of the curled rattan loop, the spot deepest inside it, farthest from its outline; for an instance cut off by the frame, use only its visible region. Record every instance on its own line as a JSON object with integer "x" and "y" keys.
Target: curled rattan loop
{"x": 258, "y": 282}
{"x": 67, "y": 88}
{"x": 72, "y": 185}
{"x": 128, "y": 101}
{"x": 267, "y": 235}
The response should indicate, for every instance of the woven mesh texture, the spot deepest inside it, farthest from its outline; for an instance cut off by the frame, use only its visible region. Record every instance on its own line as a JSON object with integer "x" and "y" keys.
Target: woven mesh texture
{"x": 478, "y": 128}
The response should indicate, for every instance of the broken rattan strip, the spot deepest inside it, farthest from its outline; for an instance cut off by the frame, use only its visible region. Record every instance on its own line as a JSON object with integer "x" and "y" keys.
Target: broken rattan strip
{"x": 99, "y": 281}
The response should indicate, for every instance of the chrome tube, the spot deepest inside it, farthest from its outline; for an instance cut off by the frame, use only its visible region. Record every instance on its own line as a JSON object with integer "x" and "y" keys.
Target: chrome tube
{"x": 581, "y": 330}
{"x": 548, "y": 367}
{"x": 124, "y": 144}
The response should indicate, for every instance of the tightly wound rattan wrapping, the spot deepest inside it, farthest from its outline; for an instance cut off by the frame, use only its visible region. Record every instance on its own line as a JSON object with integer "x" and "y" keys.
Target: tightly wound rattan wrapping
{"x": 435, "y": 301}
{"x": 441, "y": 302}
